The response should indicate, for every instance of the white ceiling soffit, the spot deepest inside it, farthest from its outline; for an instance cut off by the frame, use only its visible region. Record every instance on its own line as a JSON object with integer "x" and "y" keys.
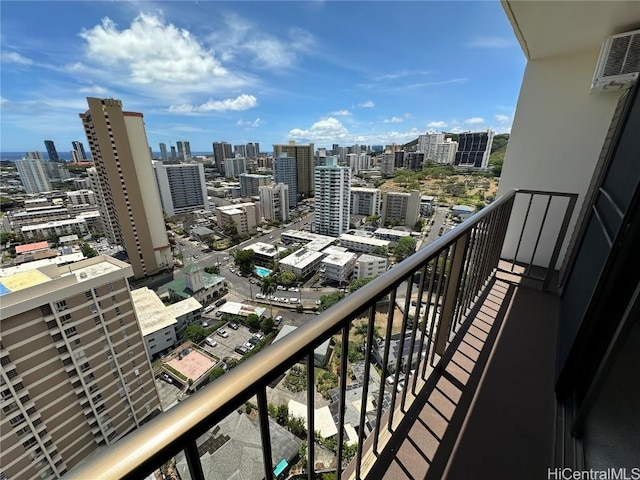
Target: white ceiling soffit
{"x": 550, "y": 28}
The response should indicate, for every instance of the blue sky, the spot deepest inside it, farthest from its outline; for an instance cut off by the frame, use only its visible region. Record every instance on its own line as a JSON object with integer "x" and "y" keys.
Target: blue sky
{"x": 327, "y": 72}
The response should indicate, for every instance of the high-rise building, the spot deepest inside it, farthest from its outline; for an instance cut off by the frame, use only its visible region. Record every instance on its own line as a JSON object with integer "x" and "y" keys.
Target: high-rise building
{"x": 32, "y": 173}
{"x": 253, "y": 150}
{"x": 365, "y": 201}
{"x": 398, "y": 159}
{"x": 184, "y": 150}
{"x": 427, "y": 144}
{"x": 250, "y": 184}
{"x": 221, "y": 151}
{"x": 400, "y": 208}
{"x": 304, "y": 155}
{"x": 414, "y": 160}
{"x": 387, "y": 164}
{"x": 75, "y": 374}
{"x": 274, "y": 202}
{"x": 51, "y": 151}
{"x": 125, "y": 175}
{"x": 240, "y": 150}
{"x": 163, "y": 152}
{"x": 80, "y": 155}
{"x": 335, "y": 149}
{"x": 332, "y": 199}
{"x": 234, "y": 167}
{"x": 285, "y": 172}
{"x": 181, "y": 186}
{"x": 474, "y": 149}
{"x": 446, "y": 152}
{"x": 174, "y": 155}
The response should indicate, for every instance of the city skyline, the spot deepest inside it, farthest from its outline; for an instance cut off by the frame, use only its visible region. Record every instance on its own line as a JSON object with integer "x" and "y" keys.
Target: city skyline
{"x": 235, "y": 80}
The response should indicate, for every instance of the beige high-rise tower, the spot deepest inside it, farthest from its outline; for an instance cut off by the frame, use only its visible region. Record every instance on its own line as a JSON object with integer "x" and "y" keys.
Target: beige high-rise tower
{"x": 304, "y": 155}
{"x": 120, "y": 151}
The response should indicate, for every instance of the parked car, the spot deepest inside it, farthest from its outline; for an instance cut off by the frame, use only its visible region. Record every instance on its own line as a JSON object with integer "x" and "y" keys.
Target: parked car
{"x": 211, "y": 342}
{"x": 222, "y": 332}
{"x": 220, "y": 301}
{"x": 167, "y": 378}
{"x": 278, "y": 321}
{"x": 280, "y": 287}
{"x": 258, "y": 335}
{"x": 208, "y": 309}
{"x": 234, "y": 325}
{"x": 205, "y": 324}
{"x": 254, "y": 341}
{"x": 249, "y": 346}
{"x": 241, "y": 349}
{"x": 294, "y": 289}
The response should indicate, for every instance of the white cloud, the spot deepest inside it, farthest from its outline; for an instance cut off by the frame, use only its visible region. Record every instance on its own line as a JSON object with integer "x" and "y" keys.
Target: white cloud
{"x": 474, "y": 121}
{"x": 400, "y": 74}
{"x": 325, "y": 130}
{"x": 367, "y": 104}
{"x": 239, "y": 37}
{"x": 490, "y": 42}
{"x": 502, "y": 118}
{"x": 94, "y": 90}
{"x": 15, "y": 57}
{"x": 242, "y": 102}
{"x": 3, "y": 101}
{"x": 248, "y": 123}
{"x": 341, "y": 113}
{"x": 154, "y": 56}
{"x": 393, "y": 120}
{"x": 438, "y": 124}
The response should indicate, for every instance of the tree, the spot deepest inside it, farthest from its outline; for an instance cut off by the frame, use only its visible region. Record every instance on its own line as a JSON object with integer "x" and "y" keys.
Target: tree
{"x": 216, "y": 372}
{"x": 419, "y": 225}
{"x": 253, "y": 321}
{"x": 382, "y": 251}
{"x": 212, "y": 270}
{"x": 87, "y": 251}
{"x": 287, "y": 278}
{"x": 245, "y": 260}
{"x": 230, "y": 228}
{"x": 405, "y": 247}
{"x": 267, "y": 325}
{"x": 195, "y": 333}
{"x": 361, "y": 282}
{"x": 328, "y": 301}
{"x": 267, "y": 288}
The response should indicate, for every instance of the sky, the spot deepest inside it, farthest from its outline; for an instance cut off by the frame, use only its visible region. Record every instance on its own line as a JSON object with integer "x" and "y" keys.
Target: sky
{"x": 325, "y": 72}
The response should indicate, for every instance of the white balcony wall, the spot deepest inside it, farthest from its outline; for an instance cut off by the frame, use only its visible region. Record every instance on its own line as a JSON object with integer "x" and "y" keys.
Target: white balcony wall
{"x": 558, "y": 131}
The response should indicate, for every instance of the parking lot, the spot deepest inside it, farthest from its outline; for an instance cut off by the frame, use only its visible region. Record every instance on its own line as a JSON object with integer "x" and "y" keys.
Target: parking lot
{"x": 226, "y": 346}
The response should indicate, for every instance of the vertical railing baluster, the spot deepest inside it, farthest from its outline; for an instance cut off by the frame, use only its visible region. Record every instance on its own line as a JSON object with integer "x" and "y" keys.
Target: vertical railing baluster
{"x": 311, "y": 399}
{"x": 265, "y": 435}
{"x": 342, "y": 400}
{"x": 365, "y": 386}
{"x": 423, "y": 329}
{"x": 561, "y": 237}
{"x": 412, "y": 338}
{"x": 193, "y": 460}
{"x": 437, "y": 315}
{"x": 385, "y": 361}
{"x": 431, "y": 321}
{"x": 535, "y": 247}
{"x": 524, "y": 225}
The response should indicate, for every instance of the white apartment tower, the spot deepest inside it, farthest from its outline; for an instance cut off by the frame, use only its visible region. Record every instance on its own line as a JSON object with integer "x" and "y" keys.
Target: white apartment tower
{"x": 332, "y": 198}
{"x": 427, "y": 144}
{"x": 365, "y": 201}
{"x": 32, "y": 173}
{"x": 274, "y": 202}
{"x": 446, "y": 152}
{"x": 128, "y": 188}
{"x": 181, "y": 187}
{"x": 250, "y": 184}
{"x": 401, "y": 208}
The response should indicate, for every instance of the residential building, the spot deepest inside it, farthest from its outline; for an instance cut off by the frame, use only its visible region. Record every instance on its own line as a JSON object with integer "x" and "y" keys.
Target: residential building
{"x": 81, "y": 197}
{"x": 474, "y": 149}
{"x": 222, "y": 151}
{"x": 56, "y": 171}
{"x": 389, "y": 234}
{"x": 332, "y": 199}
{"x": 245, "y": 216}
{"x": 445, "y": 152}
{"x": 233, "y": 167}
{"x": 252, "y": 150}
{"x": 400, "y": 208}
{"x": 285, "y": 172}
{"x": 369, "y": 266}
{"x": 337, "y": 267}
{"x": 75, "y": 375}
{"x": 304, "y": 155}
{"x": 33, "y": 175}
{"x": 365, "y": 201}
{"x": 399, "y": 159}
{"x": 181, "y": 186}
{"x": 274, "y": 202}
{"x": 157, "y": 325}
{"x": 163, "y": 152}
{"x": 250, "y": 184}
{"x": 240, "y": 150}
{"x": 311, "y": 241}
{"x": 302, "y": 263}
{"x": 120, "y": 153}
{"x": 108, "y": 228}
{"x": 427, "y": 203}
{"x": 359, "y": 243}
{"x": 78, "y": 148}
{"x": 427, "y": 144}
{"x": 186, "y": 312}
{"x": 198, "y": 284}
{"x": 51, "y": 151}
{"x": 415, "y": 161}
{"x": 265, "y": 253}
{"x": 174, "y": 156}
{"x": 184, "y": 150}
{"x": 387, "y": 165}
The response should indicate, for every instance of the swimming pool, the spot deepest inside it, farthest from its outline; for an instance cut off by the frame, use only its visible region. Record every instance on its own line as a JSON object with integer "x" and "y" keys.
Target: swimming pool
{"x": 262, "y": 272}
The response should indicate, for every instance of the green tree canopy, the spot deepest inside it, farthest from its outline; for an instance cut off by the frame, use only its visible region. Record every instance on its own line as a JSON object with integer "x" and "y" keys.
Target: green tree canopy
{"x": 195, "y": 333}
{"x": 405, "y": 247}
{"x": 253, "y": 321}
{"x": 216, "y": 372}
{"x": 87, "y": 251}
{"x": 245, "y": 260}
{"x": 287, "y": 278}
{"x": 267, "y": 325}
{"x": 327, "y": 301}
{"x": 356, "y": 284}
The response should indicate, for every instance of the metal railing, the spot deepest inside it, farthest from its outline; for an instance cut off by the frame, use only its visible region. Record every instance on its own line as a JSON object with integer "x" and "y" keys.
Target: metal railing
{"x": 447, "y": 276}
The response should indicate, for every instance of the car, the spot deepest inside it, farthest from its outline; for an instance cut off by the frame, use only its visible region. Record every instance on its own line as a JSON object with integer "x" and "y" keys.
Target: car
{"x": 280, "y": 287}
{"x": 241, "y": 349}
{"x": 208, "y": 309}
{"x": 166, "y": 378}
{"x": 254, "y": 341}
{"x": 205, "y": 324}
{"x": 278, "y": 320}
{"x": 294, "y": 300}
{"x": 211, "y": 342}
{"x": 260, "y": 295}
{"x": 294, "y": 289}
{"x": 220, "y": 301}
{"x": 249, "y": 346}
{"x": 260, "y": 336}
{"x": 234, "y": 325}
{"x": 318, "y": 302}
{"x": 391, "y": 378}
{"x": 222, "y": 332}
{"x": 218, "y": 314}
{"x": 252, "y": 281}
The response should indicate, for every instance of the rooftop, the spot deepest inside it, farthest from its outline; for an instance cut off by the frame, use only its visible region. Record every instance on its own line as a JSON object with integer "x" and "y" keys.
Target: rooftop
{"x": 339, "y": 258}
{"x": 183, "y": 307}
{"x": 32, "y": 247}
{"x": 241, "y": 309}
{"x": 301, "y": 258}
{"x": 376, "y": 242}
{"x": 153, "y": 315}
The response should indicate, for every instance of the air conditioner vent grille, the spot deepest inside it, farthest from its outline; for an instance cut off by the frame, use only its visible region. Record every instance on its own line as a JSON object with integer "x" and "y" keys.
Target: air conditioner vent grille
{"x": 624, "y": 56}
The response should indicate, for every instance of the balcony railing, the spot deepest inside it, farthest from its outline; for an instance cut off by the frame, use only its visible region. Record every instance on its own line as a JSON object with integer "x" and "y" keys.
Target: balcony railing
{"x": 446, "y": 277}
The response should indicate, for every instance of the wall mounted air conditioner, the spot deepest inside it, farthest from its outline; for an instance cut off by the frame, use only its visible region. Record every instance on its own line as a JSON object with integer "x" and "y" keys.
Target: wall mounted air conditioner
{"x": 619, "y": 63}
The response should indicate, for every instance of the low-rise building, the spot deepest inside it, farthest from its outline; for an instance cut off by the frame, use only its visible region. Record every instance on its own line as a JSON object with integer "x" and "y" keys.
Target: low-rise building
{"x": 462, "y": 211}
{"x": 390, "y": 234}
{"x": 186, "y": 312}
{"x": 265, "y": 253}
{"x": 338, "y": 266}
{"x": 196, "y": 283}
{"x": 368, "y": 266}
{"x": 302, "y": 263}
{"x": 245, "y": 216}
{"x": 358, "y": 243}
{"x": 157, "y": 325}
{"x": 401, "y": 208}
{"x": 241, "y": 309}
{"x": 311, "y": 241}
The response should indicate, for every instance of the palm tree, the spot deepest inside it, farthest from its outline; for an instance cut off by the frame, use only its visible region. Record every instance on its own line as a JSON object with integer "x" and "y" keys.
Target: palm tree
{"x": 267, "y": 288}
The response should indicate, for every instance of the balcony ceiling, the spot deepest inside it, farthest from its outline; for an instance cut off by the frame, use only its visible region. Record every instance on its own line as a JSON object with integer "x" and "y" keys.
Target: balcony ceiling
{"x": 546, "y": 29}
